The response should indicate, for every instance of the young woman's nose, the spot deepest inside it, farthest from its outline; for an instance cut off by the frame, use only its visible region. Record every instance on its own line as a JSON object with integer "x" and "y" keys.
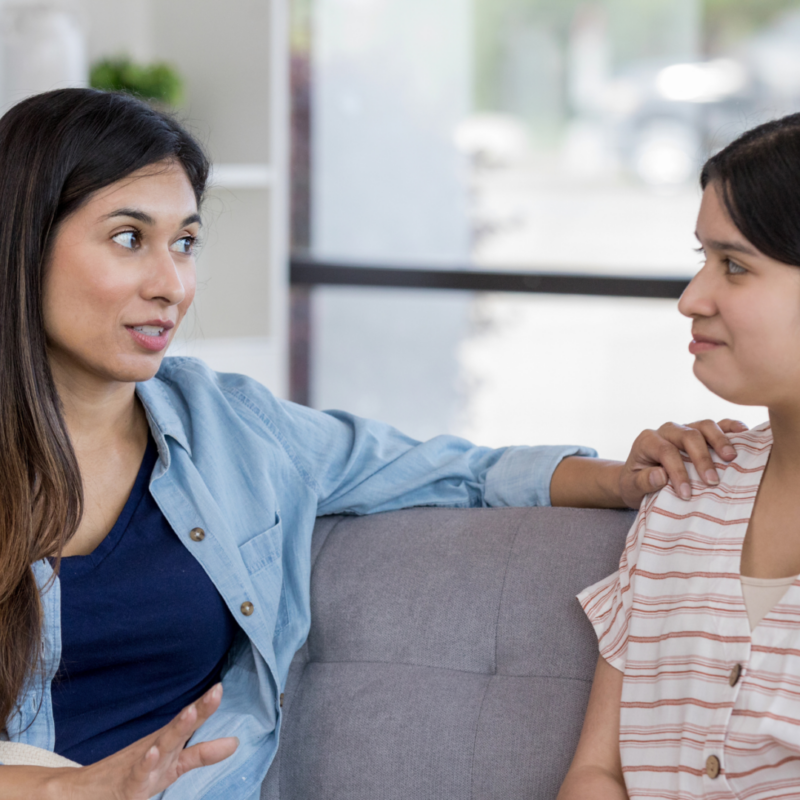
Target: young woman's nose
{"x": 165, "y": 281}
{"x": 697, "y": 299}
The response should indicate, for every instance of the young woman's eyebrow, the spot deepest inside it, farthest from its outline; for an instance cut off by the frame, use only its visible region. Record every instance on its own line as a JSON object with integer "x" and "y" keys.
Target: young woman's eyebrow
{"x": 142, "y": 216}
{"x": 736, "y": 247}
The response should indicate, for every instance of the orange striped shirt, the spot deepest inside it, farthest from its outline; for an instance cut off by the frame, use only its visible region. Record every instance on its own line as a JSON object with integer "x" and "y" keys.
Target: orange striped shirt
{"x": 673, "y": 620}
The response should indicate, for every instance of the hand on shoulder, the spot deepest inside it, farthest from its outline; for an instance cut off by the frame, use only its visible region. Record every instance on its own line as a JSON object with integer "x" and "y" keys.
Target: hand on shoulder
{"x": 656, "y": 457}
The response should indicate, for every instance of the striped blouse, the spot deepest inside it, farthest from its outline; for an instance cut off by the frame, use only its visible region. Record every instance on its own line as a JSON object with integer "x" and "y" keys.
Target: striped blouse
{"x": 709, "y": 709}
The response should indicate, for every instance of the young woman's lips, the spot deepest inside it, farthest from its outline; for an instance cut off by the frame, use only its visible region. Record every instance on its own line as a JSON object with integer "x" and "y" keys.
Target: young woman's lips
{"x": 703, "y": 344}
{"x": 148, "y": 338}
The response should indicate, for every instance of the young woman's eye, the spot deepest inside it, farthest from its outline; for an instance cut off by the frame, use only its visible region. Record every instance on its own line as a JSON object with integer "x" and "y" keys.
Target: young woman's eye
{"x": 128, "y": 239}
{"x": 733, "y": 268}
{"x": 185, "y": 245}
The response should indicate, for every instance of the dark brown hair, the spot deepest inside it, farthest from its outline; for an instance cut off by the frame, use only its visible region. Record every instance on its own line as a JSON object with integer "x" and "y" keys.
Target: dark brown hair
{"x": 757, "y": 177}
{"x": 56, "y": 150}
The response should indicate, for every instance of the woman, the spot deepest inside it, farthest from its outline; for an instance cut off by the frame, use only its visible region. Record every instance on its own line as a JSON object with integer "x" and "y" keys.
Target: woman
{"x": 696, "y": 691}
{"x": 156, "y": 527}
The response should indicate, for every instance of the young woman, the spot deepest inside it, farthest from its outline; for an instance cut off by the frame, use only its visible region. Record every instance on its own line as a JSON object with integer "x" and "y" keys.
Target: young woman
{"x": 155, "y": 518}
{"x": 697, "y": 693}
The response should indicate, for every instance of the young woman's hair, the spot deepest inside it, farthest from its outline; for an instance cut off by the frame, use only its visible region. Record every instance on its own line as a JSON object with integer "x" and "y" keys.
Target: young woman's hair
{"x": 56, "y": 150}
{"x": 757, "y": 177}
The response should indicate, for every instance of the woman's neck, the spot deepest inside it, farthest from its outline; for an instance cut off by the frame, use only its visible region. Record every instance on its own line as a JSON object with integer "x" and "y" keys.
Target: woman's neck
{"x": 98, "y": 413}
{"x": 785, "y": 456}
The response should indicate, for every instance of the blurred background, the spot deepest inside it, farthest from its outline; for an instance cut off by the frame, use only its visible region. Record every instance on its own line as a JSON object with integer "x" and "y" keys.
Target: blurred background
{"x": 461, "y": 216}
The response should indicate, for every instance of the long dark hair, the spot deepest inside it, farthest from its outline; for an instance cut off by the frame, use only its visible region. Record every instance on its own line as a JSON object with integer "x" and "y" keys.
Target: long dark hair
{"x": 758, "y": 178}
{"x": 56, "y": 150}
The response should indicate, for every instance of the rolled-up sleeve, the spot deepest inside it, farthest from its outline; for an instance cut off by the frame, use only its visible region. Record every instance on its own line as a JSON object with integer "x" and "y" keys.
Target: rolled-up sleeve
{"x": 522, "y": 475}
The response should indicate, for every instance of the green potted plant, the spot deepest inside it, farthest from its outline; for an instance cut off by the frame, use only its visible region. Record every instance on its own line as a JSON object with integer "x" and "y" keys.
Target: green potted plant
{"x": 158, "y": 83}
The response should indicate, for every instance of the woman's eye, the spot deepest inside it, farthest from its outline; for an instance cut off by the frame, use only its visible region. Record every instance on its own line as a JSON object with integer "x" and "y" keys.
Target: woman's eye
{"x": 734, "y": 268}
{"x": 128, "y": 239}
{"x": 185, "y": 245}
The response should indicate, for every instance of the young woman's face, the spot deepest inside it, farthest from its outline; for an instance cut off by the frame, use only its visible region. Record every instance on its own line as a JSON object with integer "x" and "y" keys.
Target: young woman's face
{"x": 745, "y": 311}
{"x": 121, "y": 276}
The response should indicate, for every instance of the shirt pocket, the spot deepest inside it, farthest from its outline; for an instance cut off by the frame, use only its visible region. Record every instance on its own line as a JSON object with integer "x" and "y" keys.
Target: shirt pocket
{"x": 262, "y": 560}
{"x": 263, "y": 550}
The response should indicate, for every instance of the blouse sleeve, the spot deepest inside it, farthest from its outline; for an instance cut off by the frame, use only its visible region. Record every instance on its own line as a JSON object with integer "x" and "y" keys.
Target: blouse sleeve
{"x": 609, "y": 602}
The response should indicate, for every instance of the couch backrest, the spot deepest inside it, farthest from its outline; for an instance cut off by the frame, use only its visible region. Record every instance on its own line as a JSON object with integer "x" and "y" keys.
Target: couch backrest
{"x": 447, "y": 658}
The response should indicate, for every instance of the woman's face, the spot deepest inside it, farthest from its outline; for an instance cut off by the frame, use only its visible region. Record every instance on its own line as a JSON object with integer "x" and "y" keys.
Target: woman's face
{"x": 121, "y": 275}
{"x": 745, "y": 311}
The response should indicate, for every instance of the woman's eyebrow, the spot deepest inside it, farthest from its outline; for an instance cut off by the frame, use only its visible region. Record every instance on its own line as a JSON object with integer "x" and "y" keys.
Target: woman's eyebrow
{"x": 142, "y": 216}
{"x": 736, "y": 247}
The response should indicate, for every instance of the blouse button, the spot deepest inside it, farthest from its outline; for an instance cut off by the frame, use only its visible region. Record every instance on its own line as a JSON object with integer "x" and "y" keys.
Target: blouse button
{"x": 736, "y": 673}
{"x": 197, "y": 534}
{"x": 712, "y": 767}
{"x": 246, "y": 608}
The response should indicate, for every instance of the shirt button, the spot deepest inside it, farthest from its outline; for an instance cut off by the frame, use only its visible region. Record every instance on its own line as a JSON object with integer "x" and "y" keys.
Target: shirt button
{"x": 197, "y": 534}
{"x": 736, "y": 673}
{"x": 281, "y": 700}
{"x": 247, "y": 608}
{"x": 712, "y": 767}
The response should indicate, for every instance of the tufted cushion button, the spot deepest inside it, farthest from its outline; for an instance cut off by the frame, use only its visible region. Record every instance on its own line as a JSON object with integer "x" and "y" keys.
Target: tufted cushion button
{"x": 712, "y": 767}
{"x": 197, "y": 534}
{"x": 247, "y": 608}
{"x": 736, "y": 673}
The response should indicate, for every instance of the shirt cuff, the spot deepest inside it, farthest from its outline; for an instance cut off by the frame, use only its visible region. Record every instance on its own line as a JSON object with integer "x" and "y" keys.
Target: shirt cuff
{"x": 522, "y": 475}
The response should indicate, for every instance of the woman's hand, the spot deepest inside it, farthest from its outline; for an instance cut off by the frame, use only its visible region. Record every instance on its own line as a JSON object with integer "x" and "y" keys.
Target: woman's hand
{"x": 655, "y": 459}
{"x": 150, "y": 765}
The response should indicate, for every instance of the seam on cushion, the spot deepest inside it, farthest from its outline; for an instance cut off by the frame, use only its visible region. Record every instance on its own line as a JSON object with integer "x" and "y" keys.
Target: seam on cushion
{"x": 503, "y": 592}
{"x": 311, "y": 580}
{"x": 493, "y": 675}
{"x": 328, "y": 535}
{"x": 475, "y": 740}
{"x": 287, "y": 726}
{"x": 452, "y": 669}
{"x": 404, "y": 664}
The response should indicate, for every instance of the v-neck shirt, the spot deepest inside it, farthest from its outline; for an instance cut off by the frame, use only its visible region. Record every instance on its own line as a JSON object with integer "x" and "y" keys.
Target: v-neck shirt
{"x": 709, "y": 708}
{"x": 144, "y": 632}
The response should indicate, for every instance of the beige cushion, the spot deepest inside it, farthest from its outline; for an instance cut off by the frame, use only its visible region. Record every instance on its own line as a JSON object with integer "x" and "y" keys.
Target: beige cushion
{"x": 13, "y": 754}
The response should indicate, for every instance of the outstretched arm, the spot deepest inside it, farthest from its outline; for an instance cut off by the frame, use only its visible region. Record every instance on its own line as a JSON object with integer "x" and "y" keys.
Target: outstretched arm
{"x": 654, "y": 461}
{"x": 596, "y": 770}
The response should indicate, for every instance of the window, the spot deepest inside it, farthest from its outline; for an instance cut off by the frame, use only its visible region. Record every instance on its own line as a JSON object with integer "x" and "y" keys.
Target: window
{"x": 529, "y": 136}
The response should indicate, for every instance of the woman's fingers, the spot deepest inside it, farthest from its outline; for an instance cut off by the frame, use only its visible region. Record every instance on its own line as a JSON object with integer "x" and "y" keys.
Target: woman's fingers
{"x": 656, "y": 459}
{"x": 693, "y": 442}
{"x": 173, "y": 737}
{"x": 715, "y": 437}
{"x": 143, "y": 768}
{"x": 206, "y": 753}
{"x": 732, "y": 426}
{"x": 658, "y": 449}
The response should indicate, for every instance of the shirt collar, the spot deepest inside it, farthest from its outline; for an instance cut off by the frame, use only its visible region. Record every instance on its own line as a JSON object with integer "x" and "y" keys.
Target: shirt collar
{"x": 162, "y": 416}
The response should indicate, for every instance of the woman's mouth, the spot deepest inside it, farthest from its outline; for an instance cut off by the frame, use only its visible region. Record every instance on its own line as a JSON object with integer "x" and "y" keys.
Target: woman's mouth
{"x": 703, "y": 344}
{"x": 151, "y": 337}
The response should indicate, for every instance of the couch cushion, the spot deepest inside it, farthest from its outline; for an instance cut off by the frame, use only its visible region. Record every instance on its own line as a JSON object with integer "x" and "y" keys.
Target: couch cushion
{"x": 447, "y": 658}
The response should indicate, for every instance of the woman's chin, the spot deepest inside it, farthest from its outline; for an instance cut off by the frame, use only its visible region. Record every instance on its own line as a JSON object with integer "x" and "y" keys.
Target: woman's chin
{"x": 722, "y": 386}
{"x": 132, "y": 369}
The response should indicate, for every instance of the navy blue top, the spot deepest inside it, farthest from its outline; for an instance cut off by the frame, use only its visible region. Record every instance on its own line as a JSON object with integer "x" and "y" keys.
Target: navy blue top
{"x": 144, "y": 632}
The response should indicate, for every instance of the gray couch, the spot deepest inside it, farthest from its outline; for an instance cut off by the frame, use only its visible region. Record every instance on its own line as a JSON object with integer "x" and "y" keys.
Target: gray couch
{"x": 448, "y": 658}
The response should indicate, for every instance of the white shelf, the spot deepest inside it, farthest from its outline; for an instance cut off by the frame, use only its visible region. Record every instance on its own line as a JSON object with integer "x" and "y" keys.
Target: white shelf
{"x": 242, "y": 176}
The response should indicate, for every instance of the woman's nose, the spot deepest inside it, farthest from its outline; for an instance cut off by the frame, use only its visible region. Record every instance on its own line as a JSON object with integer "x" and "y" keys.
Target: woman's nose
{"x": 697, "y": 298}
{"x": 165, "y": 281}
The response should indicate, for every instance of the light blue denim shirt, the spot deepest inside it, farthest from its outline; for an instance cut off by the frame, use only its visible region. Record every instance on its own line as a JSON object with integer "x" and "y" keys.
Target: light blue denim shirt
{"x": 253, "y": 472}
